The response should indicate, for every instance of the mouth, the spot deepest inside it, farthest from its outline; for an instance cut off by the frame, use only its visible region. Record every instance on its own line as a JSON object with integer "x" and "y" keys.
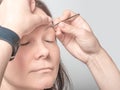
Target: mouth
{"x": 43, "y": 70}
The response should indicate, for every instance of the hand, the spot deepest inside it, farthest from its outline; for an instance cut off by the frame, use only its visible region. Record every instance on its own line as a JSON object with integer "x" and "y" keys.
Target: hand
{"x": 77, "y": 37}
{"x": 21, "y": 16}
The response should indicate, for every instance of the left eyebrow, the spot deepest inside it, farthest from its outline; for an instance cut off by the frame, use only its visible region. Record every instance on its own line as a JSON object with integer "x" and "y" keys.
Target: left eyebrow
{"x": 51, "y": 25}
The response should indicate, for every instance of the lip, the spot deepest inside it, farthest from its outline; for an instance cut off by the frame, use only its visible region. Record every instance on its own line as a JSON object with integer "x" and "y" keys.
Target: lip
{"x": 44, "y": 69}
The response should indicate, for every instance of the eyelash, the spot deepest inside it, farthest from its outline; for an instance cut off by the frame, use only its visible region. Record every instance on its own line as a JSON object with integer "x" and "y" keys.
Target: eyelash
{"x": 49, "y": 41}
{"x": 23, "y": 44}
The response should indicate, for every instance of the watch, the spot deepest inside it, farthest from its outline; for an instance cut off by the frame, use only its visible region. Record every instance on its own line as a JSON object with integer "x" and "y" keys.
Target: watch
{"x": 11, "y": 37}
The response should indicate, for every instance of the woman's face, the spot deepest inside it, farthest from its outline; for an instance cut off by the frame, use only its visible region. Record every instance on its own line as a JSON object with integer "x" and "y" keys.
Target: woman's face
{"x": 37, "y": 61}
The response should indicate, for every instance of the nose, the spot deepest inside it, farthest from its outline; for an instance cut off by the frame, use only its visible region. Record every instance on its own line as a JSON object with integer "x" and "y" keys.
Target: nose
{"x": 41, "y": 51}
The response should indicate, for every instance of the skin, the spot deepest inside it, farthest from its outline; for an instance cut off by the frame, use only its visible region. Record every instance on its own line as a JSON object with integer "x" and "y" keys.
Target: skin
{"x": 78, "y": 38}
{"x": 75, "y": 34}
{"x": 38, "y": 50}
{"x": 23, "y": 11}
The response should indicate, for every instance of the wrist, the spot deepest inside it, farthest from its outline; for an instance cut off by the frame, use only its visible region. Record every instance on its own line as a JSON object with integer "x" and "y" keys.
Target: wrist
{"x": 11, "y": 37}
{"x": 104, "y": 71}
{"x": 96, "y": 56}
{"x": 13, "y": 28}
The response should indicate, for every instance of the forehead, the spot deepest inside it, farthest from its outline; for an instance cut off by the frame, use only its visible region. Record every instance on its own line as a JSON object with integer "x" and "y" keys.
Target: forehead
{"x": 41, "y": 30}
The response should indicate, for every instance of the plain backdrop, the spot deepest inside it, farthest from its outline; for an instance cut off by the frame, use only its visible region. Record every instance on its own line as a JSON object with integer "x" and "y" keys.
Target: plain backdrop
{"x": 104, "y": 18}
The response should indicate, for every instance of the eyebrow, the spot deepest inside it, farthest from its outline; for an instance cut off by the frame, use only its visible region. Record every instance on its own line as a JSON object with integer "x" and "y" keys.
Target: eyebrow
{"x": 50, "y": 26}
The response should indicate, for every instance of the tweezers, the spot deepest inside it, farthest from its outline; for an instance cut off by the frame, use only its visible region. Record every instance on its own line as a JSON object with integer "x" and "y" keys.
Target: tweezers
{"x": 65, "y": 20}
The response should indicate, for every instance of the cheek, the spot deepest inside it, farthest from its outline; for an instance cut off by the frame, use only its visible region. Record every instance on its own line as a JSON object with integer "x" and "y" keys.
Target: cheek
{"x": 55, "y": 57}
{"x": 21, "y": 56}
{"x": 21, "y": 61}
{"x": 15, "y": 67}
{"x": 55, "y": 54}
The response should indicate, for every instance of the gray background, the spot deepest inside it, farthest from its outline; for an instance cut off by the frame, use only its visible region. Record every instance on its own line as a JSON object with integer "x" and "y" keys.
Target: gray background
{"x": 104, "y": 18}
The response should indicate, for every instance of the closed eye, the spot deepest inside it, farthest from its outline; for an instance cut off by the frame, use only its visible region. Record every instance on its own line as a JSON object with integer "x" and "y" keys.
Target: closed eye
{"x": 23, "y": 44}
{"x": 50, "y": 41}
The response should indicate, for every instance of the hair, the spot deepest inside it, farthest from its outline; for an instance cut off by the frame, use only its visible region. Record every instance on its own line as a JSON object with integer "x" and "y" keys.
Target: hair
{"x": 0, "y": 1}
{"x": 62, "y": 80}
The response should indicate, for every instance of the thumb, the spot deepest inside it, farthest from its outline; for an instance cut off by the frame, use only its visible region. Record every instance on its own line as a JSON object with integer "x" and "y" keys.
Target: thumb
{"x": 32, "y": 5}
{"x": 40, "y": 17}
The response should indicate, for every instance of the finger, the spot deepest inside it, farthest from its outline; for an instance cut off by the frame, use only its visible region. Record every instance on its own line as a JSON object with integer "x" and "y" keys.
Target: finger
{"x": 41, "y": 17}
{"x": 76, "y": 19}
{"x": 69, "y": 29}
{"x": 56, "y": 22}
{"x": 32, "y": 5}
{"x": 66, "y": 14}
{"x": 59, "y": 34}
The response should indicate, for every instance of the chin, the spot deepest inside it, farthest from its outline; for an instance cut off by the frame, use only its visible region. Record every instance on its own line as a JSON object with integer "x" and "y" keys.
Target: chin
{"x": 43, "y": 84}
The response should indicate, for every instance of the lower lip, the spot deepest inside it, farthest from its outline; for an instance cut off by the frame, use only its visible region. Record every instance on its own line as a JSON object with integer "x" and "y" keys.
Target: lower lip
{"x": 44, "y": 71}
